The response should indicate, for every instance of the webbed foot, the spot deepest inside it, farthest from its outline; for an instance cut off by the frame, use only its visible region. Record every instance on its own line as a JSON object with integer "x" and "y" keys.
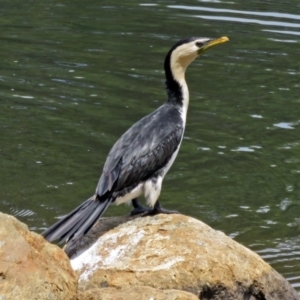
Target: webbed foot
{"x": 138, "y": 208}
{"x": 158, "y": 209}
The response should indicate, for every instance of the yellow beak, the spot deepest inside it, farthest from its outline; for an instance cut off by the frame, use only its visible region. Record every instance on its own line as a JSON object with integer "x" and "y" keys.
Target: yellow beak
{"x": 212, "y": 43}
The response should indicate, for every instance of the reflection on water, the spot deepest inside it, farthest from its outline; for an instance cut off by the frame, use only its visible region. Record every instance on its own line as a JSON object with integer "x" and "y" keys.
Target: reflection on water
{"x": 75, "y": 76}
{"x": 284, "y": 32}
{"x": 216, "y": 16}
{"x": 244, "y": 20}
{"x": 241, "y": 12}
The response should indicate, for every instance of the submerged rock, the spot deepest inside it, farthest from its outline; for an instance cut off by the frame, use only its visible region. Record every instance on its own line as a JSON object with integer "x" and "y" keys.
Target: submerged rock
{"x": 175, "y": 252}
{"x": 30, "y": 267}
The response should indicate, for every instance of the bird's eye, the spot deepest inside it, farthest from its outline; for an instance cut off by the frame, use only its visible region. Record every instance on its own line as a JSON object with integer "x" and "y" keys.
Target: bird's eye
{"x": 199, "y": 44}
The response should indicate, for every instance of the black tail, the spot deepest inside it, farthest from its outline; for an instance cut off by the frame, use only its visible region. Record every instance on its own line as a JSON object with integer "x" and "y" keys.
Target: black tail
{"x": 78, "y": 222}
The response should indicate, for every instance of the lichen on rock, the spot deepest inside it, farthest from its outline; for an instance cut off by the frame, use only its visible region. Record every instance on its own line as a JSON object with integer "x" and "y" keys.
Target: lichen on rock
{"x": 176, "y": 252}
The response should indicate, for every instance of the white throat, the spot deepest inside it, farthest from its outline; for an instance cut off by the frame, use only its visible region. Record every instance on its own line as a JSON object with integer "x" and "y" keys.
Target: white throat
{"x": 180, "y": 60}
{"x": 185, "y": 100}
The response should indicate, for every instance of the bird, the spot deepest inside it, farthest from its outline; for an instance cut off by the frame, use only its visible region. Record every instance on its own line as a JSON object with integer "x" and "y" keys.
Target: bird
{"x": 138, "y": 162}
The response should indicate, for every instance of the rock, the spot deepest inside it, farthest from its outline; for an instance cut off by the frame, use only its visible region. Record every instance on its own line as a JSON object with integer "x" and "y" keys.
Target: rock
{"x": 176, "y": 252}
{"x": 101, "y": 227}
{"x": 30, "y": 267}
{"x": 135, "y": 293}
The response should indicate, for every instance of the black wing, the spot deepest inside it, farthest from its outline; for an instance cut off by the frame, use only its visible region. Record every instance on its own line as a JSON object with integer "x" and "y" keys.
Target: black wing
{"x": 142, "y": 150}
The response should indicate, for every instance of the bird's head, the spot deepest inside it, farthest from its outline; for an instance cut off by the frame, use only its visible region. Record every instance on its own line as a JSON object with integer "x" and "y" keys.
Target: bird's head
{"x": 186, "y": 50}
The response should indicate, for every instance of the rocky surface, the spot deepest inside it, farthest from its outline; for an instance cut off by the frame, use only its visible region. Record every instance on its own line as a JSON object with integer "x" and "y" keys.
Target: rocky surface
{"x": 135, "y": 293}
{"x": 30, "y": 267}
{"x": 165, "y": 257}
{"x": 174, "y": 252}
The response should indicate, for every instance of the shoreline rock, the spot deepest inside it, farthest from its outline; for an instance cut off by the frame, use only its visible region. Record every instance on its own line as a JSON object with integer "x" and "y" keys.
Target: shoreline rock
{"x": 165, "y": 257}
{"x": 135, "y": 293}
{"x": 177, "y": 252}
{"x": 30, "y": 267}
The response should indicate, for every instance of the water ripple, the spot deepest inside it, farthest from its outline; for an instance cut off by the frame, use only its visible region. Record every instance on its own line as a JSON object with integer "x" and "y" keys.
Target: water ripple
{"x": 23, "y": 96}
{"x": 242, "y": 12}
{"x": 22, "y": 213}
{"x": 70, "y": 82}
{"x": 285, "y": 125}
{"x": 70, "y": 64}
{"x": 244, "y": 20}
{"x": 282, "y": 31}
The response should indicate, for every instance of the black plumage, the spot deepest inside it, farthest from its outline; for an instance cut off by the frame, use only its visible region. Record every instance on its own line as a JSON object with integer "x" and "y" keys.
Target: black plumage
{"x": 139, "y": 160}
{"x": 141, "y": 151}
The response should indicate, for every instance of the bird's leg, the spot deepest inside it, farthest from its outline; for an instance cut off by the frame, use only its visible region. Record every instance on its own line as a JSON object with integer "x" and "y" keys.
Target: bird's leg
{"x": 158, "y": 209}
{"x": 138, "y": 208}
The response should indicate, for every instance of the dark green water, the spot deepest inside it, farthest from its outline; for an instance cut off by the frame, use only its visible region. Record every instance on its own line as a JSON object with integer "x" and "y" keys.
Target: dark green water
{"x": 74, "y": 76}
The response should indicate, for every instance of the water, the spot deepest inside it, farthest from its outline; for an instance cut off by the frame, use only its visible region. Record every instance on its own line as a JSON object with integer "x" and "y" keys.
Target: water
{"x": 75, "y": 76}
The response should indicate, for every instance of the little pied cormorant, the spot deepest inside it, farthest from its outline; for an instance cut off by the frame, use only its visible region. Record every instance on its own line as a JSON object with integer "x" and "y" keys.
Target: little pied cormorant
{"x": 140, "y": 159}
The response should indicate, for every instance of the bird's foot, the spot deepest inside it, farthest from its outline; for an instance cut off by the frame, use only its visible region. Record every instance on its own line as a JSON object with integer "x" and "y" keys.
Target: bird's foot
{"x": 138, "y": 208}
{"x": 158, "y": 209}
